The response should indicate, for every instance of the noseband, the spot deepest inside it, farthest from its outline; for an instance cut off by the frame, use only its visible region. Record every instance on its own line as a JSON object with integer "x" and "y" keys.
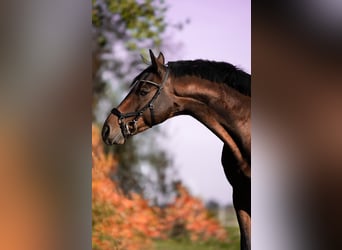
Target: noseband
{"x": 130, "y": 128}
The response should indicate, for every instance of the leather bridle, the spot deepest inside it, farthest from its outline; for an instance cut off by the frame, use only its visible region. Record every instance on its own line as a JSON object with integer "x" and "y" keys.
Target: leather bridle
{"x": 130, "y": 128}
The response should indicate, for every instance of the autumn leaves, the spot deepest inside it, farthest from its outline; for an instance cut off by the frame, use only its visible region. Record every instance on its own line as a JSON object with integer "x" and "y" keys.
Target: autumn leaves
{"x": 132, "y": 223}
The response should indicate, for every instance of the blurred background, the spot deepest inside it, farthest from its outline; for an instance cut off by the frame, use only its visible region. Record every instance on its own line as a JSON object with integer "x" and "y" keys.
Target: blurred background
{"x": 48, "y": 105}
{"x": 180, "y": 34}
{"x": 181, "y": 151}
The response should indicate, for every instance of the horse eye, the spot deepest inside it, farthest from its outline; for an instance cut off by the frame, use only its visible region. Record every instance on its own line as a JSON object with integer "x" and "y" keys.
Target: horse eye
{"x": 143, "y": 92}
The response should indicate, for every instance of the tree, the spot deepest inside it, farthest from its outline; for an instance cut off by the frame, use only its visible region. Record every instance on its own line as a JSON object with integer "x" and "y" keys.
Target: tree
{"x": 184, "y": 217}
{"x": 122, "y": 30}
{"x": 212, "y": 205}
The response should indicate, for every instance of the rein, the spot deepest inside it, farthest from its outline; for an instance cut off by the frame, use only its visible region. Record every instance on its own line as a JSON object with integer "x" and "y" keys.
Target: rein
{"x": 130, "y": 128}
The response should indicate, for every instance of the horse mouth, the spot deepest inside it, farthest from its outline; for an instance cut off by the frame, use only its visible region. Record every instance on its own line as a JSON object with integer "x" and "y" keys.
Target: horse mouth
{"x": 117, "y": 139}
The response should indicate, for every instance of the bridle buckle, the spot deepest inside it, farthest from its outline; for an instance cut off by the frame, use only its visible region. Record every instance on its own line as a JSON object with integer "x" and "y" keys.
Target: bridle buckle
{"x": 131, "y": 127}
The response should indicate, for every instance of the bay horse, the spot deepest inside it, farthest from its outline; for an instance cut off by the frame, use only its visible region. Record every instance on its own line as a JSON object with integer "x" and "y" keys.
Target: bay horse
{"x": 217, "y": 94}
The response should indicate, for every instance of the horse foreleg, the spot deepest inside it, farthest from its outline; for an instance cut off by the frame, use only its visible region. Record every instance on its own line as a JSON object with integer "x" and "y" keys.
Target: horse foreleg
{"x": 241, "y": 184}
{"x": 244, "y": 220}
{"x": 242, "y": 205}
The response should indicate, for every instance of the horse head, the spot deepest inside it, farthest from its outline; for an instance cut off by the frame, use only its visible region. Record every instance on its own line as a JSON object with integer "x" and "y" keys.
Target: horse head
{"x": 148, "y": 103}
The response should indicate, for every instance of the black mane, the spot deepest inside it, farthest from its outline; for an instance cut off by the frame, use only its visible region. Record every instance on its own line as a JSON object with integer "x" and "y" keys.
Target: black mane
{"x": 220, "y": 72}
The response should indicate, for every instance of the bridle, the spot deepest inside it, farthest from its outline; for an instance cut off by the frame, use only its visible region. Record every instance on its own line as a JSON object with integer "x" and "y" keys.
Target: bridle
{"x": 130, "y": 128}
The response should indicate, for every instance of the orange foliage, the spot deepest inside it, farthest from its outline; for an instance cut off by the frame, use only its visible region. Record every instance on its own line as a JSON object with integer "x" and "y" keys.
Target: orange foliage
{"x": 190, "y": 215}
{"x": 126, "y": 223}
{"x": 118, "y": 222}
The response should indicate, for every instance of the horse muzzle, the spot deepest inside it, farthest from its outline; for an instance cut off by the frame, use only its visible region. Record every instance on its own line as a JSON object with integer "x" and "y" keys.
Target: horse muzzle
{"x": 112, "y": 135}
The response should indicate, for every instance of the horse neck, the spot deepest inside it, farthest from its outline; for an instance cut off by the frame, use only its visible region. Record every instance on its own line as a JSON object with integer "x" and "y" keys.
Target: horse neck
{"x": 221, "y": 108}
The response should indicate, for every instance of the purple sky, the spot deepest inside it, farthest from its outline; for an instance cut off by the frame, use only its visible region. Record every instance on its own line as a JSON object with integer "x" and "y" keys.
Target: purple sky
{"x": 219, "y": 30}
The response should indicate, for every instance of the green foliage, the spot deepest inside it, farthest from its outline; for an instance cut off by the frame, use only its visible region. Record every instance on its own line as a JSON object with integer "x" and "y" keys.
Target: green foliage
{"x": 134, "y": 25}
{"x": 131, "y": 20}
{"x": 184, "y": 244}
{"x": 188, "y": 245}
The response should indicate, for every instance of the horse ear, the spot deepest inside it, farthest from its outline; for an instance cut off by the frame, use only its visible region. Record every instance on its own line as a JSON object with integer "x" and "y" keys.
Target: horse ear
{"x": 161, "y": 58}
{"x": 157, "y": 63}
{"x": 153, "y": 60}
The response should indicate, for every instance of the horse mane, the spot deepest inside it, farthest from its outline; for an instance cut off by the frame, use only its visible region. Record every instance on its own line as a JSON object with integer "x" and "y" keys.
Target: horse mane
{"x": 220, "y": 72}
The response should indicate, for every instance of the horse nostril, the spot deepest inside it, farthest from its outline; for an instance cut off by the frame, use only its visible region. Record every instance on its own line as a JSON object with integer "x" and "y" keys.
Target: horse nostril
{"x": 105, "y": 132}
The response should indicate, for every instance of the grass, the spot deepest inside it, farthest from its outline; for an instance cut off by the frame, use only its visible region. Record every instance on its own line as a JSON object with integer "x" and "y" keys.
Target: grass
{"x": 234, "y": 243}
